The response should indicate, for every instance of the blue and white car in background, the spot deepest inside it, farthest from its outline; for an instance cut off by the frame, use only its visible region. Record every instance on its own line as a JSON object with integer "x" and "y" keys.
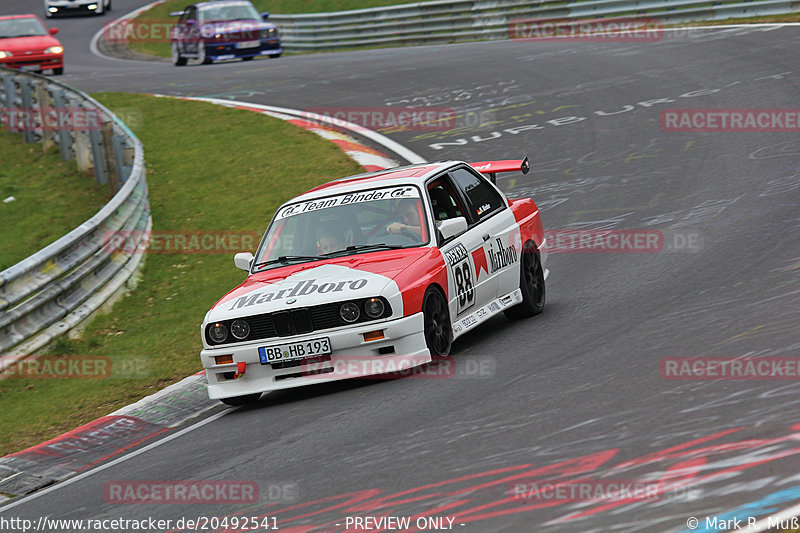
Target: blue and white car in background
{"x": 222, "y": 29}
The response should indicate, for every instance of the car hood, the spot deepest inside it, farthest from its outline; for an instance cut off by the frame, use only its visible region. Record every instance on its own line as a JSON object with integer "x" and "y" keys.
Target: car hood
{"x": 318, "y": 282}
{"x": 35, "y": 43}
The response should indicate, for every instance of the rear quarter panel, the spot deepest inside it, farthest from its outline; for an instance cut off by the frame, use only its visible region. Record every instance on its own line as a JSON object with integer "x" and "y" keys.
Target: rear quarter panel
{"x": 527, "y": 216}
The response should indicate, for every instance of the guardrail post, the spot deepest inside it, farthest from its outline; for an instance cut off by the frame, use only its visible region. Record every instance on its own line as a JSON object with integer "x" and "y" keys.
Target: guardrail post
{"x": 44, "y": 108}
{"x": 118, "y": 142}
{"x": 64, "y": 136}
{"x": 83, "y": 146}
{"x": 9, "y": 99}
{"x": 109, "y": 155}
{"x": 98, "y": 156}
{"x": 28, "y": 133}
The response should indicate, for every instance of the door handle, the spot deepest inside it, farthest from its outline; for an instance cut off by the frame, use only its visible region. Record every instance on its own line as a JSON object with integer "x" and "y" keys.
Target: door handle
{"x": 486, "y": 237}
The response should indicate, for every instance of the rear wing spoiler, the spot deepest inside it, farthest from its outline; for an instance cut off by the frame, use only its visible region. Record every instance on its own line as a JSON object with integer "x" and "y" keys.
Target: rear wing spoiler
{"x": 491, "y": 168}
{"x": 176, "y": 13}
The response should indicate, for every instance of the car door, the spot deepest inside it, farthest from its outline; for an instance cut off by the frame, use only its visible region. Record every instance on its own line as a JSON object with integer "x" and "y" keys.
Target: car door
{"x": 190, "y": 30}
{"x": 468, "y": 289}
{"x": 500, "y": 243}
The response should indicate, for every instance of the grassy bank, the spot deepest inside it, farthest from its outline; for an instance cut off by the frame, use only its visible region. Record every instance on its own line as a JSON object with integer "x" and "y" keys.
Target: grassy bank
{"x": 210, "y": 169}
{"x": 51, "y": 197}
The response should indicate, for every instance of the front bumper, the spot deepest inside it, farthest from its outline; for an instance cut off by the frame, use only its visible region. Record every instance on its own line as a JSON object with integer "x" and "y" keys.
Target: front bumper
{"x": 222, "y": 51}
{"x": 34, "y": 63}
{"x": 74, "y": 8}
{"x": 403, "y": 346}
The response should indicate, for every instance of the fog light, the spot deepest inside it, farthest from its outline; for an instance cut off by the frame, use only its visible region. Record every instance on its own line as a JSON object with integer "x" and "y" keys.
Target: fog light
{"x": 223, "y": 359}
{"x": 373, "y": 335}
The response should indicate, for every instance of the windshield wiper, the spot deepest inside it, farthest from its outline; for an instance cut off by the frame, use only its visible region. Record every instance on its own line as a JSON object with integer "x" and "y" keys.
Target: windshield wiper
{"x": 289, "y": 258}
{"x": 366, "y": 247}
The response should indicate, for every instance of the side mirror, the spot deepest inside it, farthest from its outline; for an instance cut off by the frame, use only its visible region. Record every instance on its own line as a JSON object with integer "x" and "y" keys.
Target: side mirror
{"x": 453, "y": 227}
{"x": 265, "y": 15}
{"x": 53, "y": 31}
{"x": 243, "y": 260}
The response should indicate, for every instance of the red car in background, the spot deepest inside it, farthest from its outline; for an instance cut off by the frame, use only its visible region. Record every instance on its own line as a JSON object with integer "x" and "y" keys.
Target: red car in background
{"x": 26, "y": 44}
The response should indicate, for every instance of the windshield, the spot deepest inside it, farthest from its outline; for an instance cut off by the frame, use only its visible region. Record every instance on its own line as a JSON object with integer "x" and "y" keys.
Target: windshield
{"x": 229, "y": 11}
{"x": 334, "y": 226}
{"x": 25, "y": 27}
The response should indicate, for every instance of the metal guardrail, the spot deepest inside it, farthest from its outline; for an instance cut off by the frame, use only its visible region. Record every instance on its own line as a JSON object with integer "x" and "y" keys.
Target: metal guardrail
{"x": 447, "y": 21}
{"x": 53, "y": 290}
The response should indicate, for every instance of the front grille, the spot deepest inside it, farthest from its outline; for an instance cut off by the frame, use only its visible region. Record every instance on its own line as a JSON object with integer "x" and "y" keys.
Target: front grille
{"x": 292, "y": 322}
{"x": 287, "y": 323}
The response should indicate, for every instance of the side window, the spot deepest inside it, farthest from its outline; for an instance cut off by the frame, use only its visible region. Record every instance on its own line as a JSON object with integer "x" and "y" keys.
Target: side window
{"x": 484, "y": 200}
{"x": 443, "y": 200}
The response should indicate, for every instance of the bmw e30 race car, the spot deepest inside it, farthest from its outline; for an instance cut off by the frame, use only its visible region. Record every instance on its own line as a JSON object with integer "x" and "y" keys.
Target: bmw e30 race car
{"x": 385, "y": 268}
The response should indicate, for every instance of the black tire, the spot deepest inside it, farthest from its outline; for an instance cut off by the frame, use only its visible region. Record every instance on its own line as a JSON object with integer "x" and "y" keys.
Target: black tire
{"x": 531, "y": 282}
{"x": 108, "y": 7}
{"x": 438, "y": 330}
{"x": 177, "y": 59}
{"x": 202, "y": 55}
{"x": 241, "y": 400}
{"x": 58, "y": 71}
{"x": 274, "y": 56}
{"x": 249, "y": 58}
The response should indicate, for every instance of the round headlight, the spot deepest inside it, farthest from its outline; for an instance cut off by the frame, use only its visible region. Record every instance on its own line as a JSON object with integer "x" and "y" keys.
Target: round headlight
{"x": 349, "y": 312}
{"x": 240, "y": 329}
{"x": 373, "y": 307}
{"x": 218, "y": 332}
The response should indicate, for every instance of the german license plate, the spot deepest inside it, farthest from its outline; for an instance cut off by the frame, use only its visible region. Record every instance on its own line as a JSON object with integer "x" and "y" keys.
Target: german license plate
{"x": 294, "y": 350}
{"x": 248, "y": 44}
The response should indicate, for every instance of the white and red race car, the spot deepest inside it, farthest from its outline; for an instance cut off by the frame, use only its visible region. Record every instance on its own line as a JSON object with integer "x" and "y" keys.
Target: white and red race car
{"x": 375, "y": 273}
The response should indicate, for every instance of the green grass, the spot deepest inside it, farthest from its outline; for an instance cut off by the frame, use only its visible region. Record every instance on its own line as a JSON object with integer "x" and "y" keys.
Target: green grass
{"x": 209, "y": 169}
{"x": 52, "y": 197}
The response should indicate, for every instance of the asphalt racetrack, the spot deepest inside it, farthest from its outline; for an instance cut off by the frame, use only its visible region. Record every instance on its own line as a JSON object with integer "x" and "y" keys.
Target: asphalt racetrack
{"x": 579, "y": 393}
